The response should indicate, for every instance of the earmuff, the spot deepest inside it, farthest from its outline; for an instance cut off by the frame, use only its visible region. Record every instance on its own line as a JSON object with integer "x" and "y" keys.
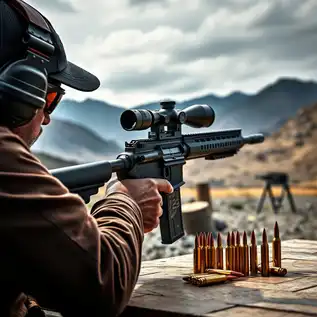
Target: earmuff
{"x": 23, "y": 83}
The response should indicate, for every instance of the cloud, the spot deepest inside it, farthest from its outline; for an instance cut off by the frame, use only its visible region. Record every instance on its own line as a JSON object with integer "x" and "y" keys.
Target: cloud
{"x": 147, "y": 2}
{"x": 55, "y": 5}
{"x": 144, "y": 50}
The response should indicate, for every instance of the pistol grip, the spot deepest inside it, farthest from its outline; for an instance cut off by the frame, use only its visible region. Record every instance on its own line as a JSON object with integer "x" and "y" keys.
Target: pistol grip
{"x": 171, "y": 222}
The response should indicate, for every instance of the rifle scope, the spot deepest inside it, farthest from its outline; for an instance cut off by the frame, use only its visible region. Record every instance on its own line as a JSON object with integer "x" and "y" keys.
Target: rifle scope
{"x": 196, "y": 116}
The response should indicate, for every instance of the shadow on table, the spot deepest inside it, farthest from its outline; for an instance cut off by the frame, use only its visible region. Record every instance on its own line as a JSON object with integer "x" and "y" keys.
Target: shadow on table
{"x": 171, "y": 296}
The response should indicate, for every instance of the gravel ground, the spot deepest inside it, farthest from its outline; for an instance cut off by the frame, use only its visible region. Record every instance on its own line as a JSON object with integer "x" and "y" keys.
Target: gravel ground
{"x": 239, "y": 214}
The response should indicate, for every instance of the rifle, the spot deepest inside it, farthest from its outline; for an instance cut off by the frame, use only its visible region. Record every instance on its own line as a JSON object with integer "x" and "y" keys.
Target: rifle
{"x": 162, "y": 155}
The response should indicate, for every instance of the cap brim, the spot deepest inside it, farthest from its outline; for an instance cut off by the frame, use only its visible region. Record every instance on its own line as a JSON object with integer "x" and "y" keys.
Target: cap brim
{"x": 75, "y": 77}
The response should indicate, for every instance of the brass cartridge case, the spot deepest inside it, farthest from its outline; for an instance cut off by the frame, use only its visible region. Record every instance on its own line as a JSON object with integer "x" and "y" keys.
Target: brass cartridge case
{"x": 229, "y": 253}
{"x": 211, "y": 279}
{"x": 237, "y": 248}
{"x": 253, "y": 255}
{"x": 233, "y": 247}
{"x": 189, "y": 277}
{"x": 276, "y": 271}
{"x": 276, "y": 247}
{"x": 210, "y": 252}
{"x": 245, "y": 252}
{"x": 199, "y": 254}
{"x": 219, "y": 252}
{"x": 207, "y": 257}
{"x": 224, "y": 272}
{"x": 265, "y": 269}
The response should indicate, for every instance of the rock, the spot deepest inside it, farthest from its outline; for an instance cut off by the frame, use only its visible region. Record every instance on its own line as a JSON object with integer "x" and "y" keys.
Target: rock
{"x": 299, "y": 142}
{"x": 220, "y": 225}
{"x": 238, "y": 205}
{"x": 262, "y": 157}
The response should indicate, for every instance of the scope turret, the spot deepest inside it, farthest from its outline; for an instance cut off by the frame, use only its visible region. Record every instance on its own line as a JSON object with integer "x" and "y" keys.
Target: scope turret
{"x": 196, "y": 116}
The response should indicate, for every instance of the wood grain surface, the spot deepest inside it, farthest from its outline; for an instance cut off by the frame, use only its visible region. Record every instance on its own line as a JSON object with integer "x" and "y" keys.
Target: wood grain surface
{"x": 160, "y": 290}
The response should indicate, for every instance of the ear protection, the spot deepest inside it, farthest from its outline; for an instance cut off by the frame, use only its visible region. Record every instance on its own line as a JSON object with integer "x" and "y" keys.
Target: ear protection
{"x": 23, "y": 83}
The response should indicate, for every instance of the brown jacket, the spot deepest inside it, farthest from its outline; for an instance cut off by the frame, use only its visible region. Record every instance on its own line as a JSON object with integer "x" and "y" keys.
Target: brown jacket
{"x": 52, "y": 248}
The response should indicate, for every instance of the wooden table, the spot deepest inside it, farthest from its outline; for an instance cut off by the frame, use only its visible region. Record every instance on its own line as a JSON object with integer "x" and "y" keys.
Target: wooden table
{"x": 160, "y": 290}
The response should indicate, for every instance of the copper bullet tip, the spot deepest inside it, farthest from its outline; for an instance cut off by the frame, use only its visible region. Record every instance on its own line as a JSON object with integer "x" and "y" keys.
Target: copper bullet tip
{"x": 212, "y": 240}
{"x": 231, "y": 277}
{"x": 264, "y": 237}
{"x": 219, "y": 241}
{"x": 245, "y": 239}
{"x": 238, "y": 238}
{"x": 228, "y": 239}
{"x": 196, "y": 241}
{"x": 233, "y": 240}
{"x": 276, "y": 230}
{"x": 203, "y": 239}
{"x": 253, "y": 240}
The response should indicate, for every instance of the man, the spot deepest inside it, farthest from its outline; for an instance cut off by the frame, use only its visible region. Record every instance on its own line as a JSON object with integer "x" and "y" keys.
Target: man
{"x": 53, "y": 249}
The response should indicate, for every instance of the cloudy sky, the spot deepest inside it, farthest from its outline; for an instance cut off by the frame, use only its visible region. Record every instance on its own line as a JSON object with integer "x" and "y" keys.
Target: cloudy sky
{"x": 145, "y": 50}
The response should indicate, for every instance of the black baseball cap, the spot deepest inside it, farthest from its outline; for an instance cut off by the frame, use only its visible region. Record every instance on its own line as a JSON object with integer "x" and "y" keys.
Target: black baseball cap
{"x": 12, "y": 30}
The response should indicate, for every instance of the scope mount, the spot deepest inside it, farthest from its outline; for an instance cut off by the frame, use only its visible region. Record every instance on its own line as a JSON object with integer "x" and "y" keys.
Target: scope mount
{"x": 170, "y": 123}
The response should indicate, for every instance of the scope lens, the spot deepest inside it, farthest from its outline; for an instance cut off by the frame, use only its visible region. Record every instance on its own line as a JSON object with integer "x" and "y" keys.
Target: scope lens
{"x": 197, "y": 116}
{"x": 136, "y": 120}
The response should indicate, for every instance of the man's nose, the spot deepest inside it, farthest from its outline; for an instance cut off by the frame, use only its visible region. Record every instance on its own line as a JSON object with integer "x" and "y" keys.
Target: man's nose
{"x": 46, "y": 120}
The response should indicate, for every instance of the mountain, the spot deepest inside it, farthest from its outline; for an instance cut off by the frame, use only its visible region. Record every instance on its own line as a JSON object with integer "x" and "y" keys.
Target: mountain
{"x": 291, "y": 150}
{"x": 264, "y": 111}
{"x": 64, "y": 142}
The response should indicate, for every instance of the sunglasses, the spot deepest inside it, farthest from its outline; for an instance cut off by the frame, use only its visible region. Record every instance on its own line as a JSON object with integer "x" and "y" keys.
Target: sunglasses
{"x": 53, "y": 97}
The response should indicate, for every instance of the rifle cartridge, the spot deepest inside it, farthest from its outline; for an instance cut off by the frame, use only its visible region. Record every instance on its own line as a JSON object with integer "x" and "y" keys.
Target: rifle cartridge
{"x": 188, "y": 278}
{"x": 228, "y": 253}
{"x": 202, "y": 247}
{"x": 199, "y": 254}
{"x": 265, "y": 269}
{"x": 276, "y": 271}
{"x": 212, "y": 279}
{"x": 224, "y": 272}
{"x": 210, "y": 252}
{"x": 237, "y": 247}
{"x": 245, "y": 251}
{"x": 219, "y": 252}
{"x": 233, "y": 246}
{"x": 253, "y": 255}
{"x": 276, "y": 247}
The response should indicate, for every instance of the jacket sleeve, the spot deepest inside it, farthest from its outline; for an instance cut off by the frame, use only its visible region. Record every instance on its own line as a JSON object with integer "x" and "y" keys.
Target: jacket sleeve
{"x": 79, "y": 263}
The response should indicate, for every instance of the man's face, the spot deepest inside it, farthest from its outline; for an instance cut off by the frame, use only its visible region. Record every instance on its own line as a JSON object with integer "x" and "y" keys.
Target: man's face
{"x": 31, "y": 131}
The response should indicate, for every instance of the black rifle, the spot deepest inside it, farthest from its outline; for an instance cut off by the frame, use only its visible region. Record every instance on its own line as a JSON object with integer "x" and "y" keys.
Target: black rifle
{"x": 162, "y": 155}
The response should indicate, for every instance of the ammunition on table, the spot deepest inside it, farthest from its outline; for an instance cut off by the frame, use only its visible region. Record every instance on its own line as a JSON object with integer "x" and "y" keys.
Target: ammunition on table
{"x": 276, "y": 271}
{"x": 229, "y": 253}
{"x": 199, "y": 254}
{"x": 253, "y": 255}
{"x": 210, "y": 252}
{"x": 276, "y": 247}
{"x": 212, "y": 279}
{"x": 265, "y": 269}
{"x": 189, "y": 277}
{"x": 245, "y": 251}
{"x": 224, "y": 272}
{"x": 234, "y": 255}
{"x": 237, "y": 247}
{"x": 219, "y": 252}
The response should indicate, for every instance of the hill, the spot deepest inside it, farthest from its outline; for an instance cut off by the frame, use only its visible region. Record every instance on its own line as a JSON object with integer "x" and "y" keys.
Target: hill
{"x": 292, "y": 150}
{"x": 65, "y": 143}
{"x": 264, "y": 111}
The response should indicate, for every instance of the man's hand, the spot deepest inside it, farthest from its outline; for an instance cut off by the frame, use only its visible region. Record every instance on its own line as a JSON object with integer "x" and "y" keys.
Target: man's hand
{"x": 146, "y": 193}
